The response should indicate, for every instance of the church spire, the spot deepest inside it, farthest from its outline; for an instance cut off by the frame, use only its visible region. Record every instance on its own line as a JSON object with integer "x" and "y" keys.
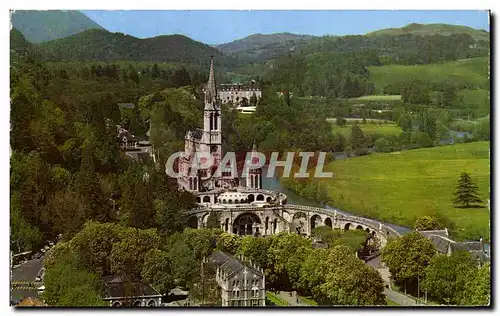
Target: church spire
{"x": 211, "y": 93}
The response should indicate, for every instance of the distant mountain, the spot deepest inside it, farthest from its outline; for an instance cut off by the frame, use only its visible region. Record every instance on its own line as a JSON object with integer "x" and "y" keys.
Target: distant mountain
{"x": 101, "y": 45}
{"x": 41, "y": 26}
{"x": 434, "y": 29}
{"x": 257, "y": 41}
{"x": 261, "y": 47}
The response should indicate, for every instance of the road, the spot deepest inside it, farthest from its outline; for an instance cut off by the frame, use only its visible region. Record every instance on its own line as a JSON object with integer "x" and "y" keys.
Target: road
{"x": 291, "y": 300}
{"x": 394, "y": 296}
{"x": 26, "y": 272}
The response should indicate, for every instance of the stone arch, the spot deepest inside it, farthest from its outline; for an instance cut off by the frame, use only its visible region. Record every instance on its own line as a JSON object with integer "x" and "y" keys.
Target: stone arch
{"x": 230, "y": 201}
{"x": 117, "y": 304}
{"x": 315, "y": 220}
{"x": 299, "y": 220}
{"x": 268, "y": 200}
{"x": 226, "y": 225}
{"x": 251, "y": 198}
{"x": 198, "y": 199}
{"x": 206, "y": 199}
{"x": 204, "y": 219}
{"x": 367, "y": 230}
{"x": 347, "y": 226}
{"x": 359, "y": 227}
{"x": 266, "y": 227}
{"x": 224, "y": 201}
{"x": 374, "y": 233}
{"x": 275, "y": 225}
{"x": 260, "y": 197}
{"x": 236, "y": 201}
{"x": 151, "y": 303}
{"x": 328, "y": 222}
{"x": 246, "y": 224}
{"x": 193, "y": 222}
{"x": 137, "y": 303}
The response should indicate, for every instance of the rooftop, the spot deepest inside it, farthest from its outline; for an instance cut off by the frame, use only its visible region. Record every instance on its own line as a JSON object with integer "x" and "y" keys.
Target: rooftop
{"x": 115, "y": 288}
{"x": 231, "y": 265}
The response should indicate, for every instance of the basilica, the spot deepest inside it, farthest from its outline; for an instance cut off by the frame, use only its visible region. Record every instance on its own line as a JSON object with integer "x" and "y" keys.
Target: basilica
{"x": 211, "y": 187}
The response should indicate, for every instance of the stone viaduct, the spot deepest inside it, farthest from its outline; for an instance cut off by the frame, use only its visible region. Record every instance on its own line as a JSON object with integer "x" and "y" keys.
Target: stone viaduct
{"x": 267, "y": 220}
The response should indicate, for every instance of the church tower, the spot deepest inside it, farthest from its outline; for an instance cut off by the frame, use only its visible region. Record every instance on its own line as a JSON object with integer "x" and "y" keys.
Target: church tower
{"x": 254, "y": 176}
{"x": 212, "y": 124}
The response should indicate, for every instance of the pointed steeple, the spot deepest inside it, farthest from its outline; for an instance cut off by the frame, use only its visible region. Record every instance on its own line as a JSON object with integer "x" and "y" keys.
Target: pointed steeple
{"x": 211, "y": 90}
{"x": 254, "y": 147}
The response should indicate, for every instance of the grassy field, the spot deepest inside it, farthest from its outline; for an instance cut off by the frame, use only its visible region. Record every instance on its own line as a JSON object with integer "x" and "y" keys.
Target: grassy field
{"x": 473, "y": 72}
{"x": 384, "y": 129}
{"x": 399, "y": 187}
{"x": 270, "y": 296}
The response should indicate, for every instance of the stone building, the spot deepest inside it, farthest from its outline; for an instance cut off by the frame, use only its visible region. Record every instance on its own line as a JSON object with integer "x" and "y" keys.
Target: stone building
{"x": 445, "y": 245}
{"x": 138, "y": 294}
{"x": 241, "y": 283}
{"x": 239, "y": 94}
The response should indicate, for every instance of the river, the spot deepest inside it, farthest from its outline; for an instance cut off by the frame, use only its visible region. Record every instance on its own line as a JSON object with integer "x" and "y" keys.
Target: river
{"x": 293, "y": 198}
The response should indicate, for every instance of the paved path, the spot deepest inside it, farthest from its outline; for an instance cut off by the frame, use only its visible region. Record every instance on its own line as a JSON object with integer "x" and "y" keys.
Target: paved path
{"x": 400, "y": 298}
{"x": 25, "y": 272}
{"x": 394, "y": 296}
{"x": 291, "y": 300}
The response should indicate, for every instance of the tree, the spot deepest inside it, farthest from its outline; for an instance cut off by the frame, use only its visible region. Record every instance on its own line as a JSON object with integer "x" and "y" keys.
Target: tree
{"x": 341, "y": 121}
{"x": 427, "y": 222}
{"x": 349, "y": 281}
{"x": 477, "y": 289}
{"x": 444, "y": 276}
{"x": 253, "y": 100}
{"x": 68, "y": 283}
{"x": 127, "y": 256}
{"x": 157, "y": 270}
{"x": 407, "y": 257}
{"x": 357, "y": 138}
{"x": 404, "y": 121}
{"x": 466, "y": 192}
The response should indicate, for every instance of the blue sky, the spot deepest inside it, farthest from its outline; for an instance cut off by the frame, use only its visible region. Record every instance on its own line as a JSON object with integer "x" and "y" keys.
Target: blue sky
{"x": 216, "y": 27}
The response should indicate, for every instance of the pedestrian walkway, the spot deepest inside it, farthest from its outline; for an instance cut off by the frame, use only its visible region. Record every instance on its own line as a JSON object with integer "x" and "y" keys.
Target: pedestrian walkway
{"x": 292, "y": 300}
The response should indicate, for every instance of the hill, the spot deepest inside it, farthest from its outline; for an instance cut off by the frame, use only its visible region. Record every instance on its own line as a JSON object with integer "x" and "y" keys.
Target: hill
{"x": 401, "y": 186}
{"x": 257, "y": 41}
{"x": 101, "y": 45}
{"x": 470, "y": 73}
{"x": 42, "y": 26}
{"x": 434, "y": 29}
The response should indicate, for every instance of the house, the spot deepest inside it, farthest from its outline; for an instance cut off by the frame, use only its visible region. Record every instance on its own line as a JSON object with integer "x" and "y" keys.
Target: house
{"x": 139, "y": 294}
{"x": 447, "y": 246}
{"x": 127, "y": 139}
{"x": 241, "y": 283}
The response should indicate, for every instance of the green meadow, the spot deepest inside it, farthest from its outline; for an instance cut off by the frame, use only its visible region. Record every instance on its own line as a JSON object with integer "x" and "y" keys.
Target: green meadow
{"x": 383, "y": 129}
{"x": 401, "y": 186}
{"x": 473, "y": 73}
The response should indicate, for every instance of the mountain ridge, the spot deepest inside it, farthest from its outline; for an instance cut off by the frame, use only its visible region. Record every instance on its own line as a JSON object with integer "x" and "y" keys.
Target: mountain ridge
{"x": 433, "y": 29}
{"x": 40, "y": 26}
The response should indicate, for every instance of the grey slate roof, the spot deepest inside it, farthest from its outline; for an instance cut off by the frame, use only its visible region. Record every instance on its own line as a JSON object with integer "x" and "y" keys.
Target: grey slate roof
{"x": 115, "y": 289}
{"x": 229, "y": 264}
{"x": 441, "y": 243}
{"x": 467, "y": 246}
{"x": 439, "y": 232}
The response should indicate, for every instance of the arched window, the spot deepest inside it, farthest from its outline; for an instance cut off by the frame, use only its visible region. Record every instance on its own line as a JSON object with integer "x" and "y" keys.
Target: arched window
{"x": 206, "y": 199}
{"x": 151, "y": 303}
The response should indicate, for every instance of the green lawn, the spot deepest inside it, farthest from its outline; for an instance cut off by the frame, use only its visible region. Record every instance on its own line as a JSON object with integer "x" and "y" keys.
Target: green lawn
{"x": 391, "y": 303}
{"x": 275, "y": 299}
{"x": 384, "y": 129}
{"x": 401, "y": 186}
{"x": 308, "y": 301}
{"x": 473, "y": 72}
